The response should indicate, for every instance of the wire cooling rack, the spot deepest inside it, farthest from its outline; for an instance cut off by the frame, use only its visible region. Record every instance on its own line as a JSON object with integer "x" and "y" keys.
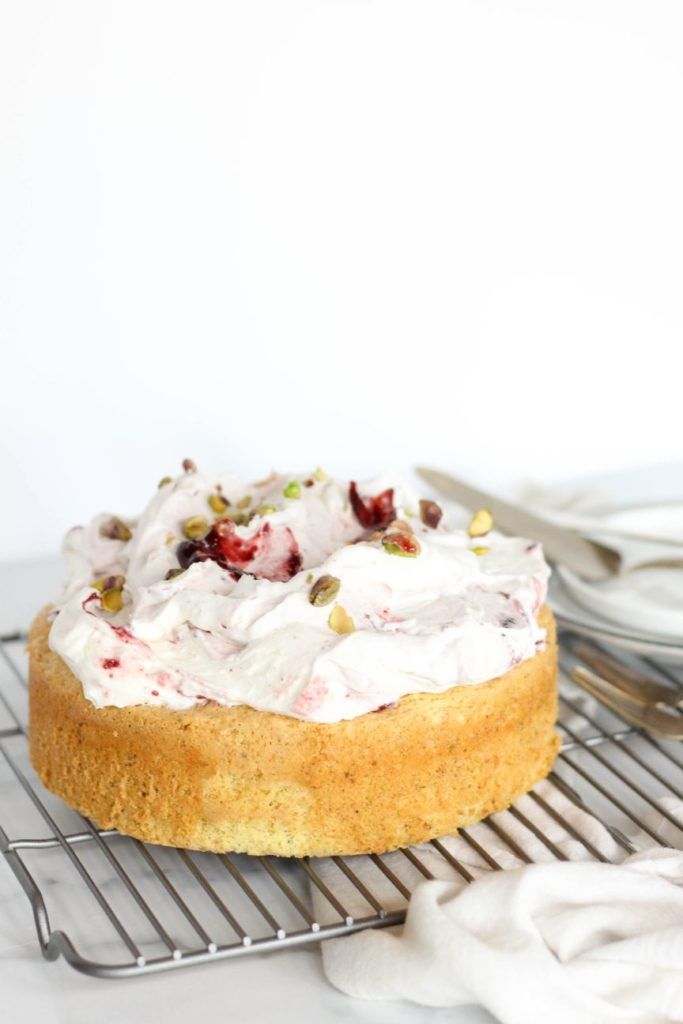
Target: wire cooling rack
{"x": 115, "y": 907}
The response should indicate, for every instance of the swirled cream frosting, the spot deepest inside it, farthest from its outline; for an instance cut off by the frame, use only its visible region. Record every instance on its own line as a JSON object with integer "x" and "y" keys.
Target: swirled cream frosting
{"x": 301, "y": 595}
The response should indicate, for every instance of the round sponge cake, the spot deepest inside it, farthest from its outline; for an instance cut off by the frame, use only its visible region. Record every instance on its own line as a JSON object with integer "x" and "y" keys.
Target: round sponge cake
{"x": 236, "y": 779}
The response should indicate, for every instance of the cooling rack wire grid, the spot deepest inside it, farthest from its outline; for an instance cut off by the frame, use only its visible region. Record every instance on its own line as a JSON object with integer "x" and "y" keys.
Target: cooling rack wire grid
{"x": 115, "y": 907}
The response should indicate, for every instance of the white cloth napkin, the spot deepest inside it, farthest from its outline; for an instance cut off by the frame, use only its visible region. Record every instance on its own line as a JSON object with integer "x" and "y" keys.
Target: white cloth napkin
{"x": 551, "y": 942}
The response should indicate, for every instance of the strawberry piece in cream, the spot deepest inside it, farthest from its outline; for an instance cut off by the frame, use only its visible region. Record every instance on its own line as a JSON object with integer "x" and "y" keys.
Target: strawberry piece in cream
{"x": 272, "y": 553}
{"x": 373, "y": 513}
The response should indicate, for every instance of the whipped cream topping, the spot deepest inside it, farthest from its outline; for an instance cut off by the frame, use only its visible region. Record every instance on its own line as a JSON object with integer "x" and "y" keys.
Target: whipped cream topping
{"x": 227, "y": 616}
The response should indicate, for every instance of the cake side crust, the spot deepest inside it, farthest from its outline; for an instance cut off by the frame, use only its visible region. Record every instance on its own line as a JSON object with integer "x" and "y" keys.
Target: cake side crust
{"x": 219, "y": 778}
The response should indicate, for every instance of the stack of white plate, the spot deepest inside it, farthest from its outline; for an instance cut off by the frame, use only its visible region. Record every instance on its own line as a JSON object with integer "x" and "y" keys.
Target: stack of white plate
{"x": 642, "y": 609}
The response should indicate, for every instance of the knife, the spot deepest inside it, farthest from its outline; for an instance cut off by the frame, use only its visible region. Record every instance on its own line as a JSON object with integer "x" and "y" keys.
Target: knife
{"x": 589, "y": 559}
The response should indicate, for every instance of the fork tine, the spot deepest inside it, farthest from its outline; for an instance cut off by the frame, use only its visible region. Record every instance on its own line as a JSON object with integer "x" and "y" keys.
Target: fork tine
{"x": 632, "y": 709}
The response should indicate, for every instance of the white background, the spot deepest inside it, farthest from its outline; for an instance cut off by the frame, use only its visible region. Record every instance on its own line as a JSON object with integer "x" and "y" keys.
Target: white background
{"x": 361, "y": 234}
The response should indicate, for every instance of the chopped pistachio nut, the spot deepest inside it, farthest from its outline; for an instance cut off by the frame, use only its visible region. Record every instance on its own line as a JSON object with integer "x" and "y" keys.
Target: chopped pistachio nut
{"x": 309, "y": 577}
{"x": 481, "y": 523}
{"x": 165, "y": 480}
{"x": 115, "y": 529}
{"x": 293, "y": 489}
{"x": 218, "y": 503}
{"x": 172, "y": 573}
{"x": 112, "y": 600}
{"x": 324, "y": 591}
{"x": 244, "y": 502}
{"x": 189, "y": 465}
{"x": 403, "y": 544}
{"x": 195, "y": 527}
{"x": 430, "y": 513}
{"x": 265, "y": 510}
{"x": 481, "y": 550}
{"x": 320, "y": 475}
{"x": 340, "y": 621}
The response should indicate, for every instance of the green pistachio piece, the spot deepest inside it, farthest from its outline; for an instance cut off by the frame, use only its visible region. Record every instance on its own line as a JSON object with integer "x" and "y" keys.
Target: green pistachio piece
{"x": 324, "y": 591}
{"x": 403, "y": 544}
{"x": 340, "y": 621}
{"x": 115, "y": 529}
{"x": 293, "y": 489}
{"x": 195, "y": 527}
{"x": 481, "y": 523}
{"x": 218, "y": 503}
{"x": 112, "y": 600}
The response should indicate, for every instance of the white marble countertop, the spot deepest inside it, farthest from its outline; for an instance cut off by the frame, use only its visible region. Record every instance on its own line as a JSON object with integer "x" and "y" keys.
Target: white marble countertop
{"x": 285, "y": 986}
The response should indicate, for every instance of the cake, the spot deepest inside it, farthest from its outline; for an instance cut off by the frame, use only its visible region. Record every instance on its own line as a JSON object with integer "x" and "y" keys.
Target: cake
{"x": 303, "y": 666}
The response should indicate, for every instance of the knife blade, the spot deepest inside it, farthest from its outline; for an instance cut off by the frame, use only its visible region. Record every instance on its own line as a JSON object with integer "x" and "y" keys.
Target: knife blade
{"x": 589, "y": 559}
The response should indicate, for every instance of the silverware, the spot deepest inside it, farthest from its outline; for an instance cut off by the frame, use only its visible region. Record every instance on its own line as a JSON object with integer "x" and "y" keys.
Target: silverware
{"x": 625, "y": 678}
{"x": 589, "y": 558}
{"x": 653, "y": 718}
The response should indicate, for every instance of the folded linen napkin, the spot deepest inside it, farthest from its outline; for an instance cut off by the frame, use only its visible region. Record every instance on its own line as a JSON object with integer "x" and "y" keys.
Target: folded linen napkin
{"x": 567, "y": 942}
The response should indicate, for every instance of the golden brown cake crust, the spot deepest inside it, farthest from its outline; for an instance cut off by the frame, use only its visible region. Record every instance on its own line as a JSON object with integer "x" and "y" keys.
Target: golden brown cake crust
{"x": 220, "y": 778}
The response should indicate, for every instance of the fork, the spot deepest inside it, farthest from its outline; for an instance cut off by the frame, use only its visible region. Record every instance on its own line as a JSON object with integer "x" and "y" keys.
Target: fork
{"x": 624, "y": 677}
{"x": 637, "y": 710}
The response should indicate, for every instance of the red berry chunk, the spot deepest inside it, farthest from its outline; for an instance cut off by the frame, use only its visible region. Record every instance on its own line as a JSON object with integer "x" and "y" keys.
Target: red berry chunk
{"x": 373, "y": 513}
{"x": 273, "y": 556}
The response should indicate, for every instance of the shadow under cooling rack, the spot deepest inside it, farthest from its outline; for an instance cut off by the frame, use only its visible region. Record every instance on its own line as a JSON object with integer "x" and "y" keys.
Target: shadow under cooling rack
{"x": 115, "y": 907}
